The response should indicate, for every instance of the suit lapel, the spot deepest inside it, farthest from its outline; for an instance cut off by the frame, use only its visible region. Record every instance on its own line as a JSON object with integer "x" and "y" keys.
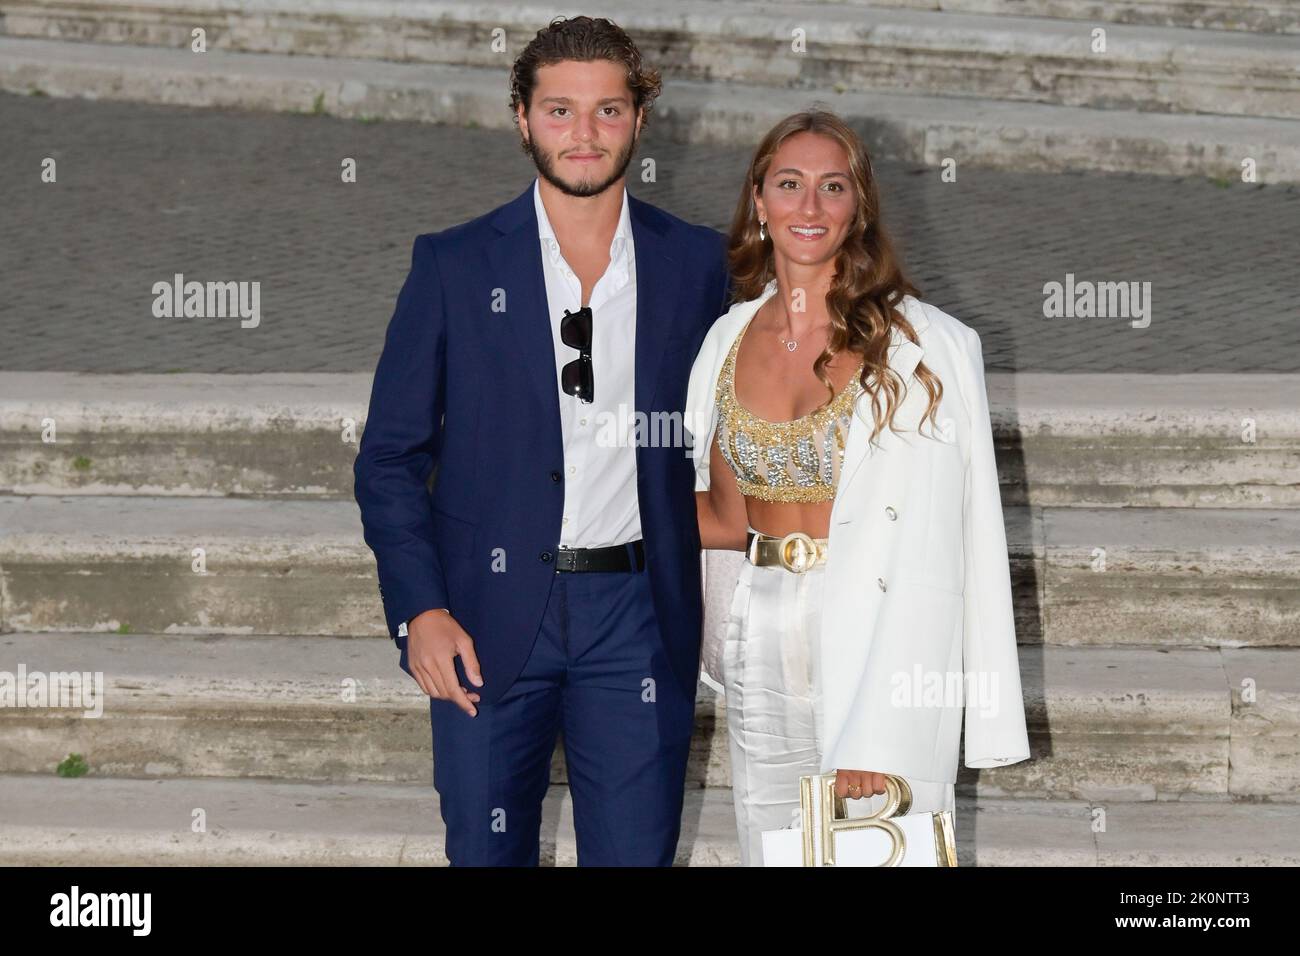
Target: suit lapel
{"x": 516, "y": 261}
{"x": 657, "y": 292}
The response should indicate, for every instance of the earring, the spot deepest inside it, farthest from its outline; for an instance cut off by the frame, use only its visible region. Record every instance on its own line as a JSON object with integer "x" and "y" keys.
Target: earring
{"x": 762, "y": 235}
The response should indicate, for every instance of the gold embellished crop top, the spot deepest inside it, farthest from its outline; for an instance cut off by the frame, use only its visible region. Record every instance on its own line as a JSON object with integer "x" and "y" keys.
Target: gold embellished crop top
{"x": 797, "y": 460}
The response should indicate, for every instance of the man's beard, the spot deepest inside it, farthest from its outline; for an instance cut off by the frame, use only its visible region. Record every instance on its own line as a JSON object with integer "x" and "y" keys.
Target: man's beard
{"x": 545, "y": 164}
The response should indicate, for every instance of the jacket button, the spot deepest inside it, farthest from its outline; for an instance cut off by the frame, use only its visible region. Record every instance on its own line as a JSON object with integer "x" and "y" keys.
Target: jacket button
{"x": 881, "y": 582}
{"x": 893, "y": 515}
{"x": 546, "y": 556}
{"x": 555, "y": 476}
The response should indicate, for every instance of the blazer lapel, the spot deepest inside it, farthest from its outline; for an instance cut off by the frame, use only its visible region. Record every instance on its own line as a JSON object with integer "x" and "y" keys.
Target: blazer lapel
{"x": 902, "y": 357}
{"x": 657, "y": 294}
{"x": 516, "y": 260}
{"x": 701, "y": 393}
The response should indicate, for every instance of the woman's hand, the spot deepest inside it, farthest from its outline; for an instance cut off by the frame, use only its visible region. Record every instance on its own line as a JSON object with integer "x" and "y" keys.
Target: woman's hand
{"x": 858, "y": 783}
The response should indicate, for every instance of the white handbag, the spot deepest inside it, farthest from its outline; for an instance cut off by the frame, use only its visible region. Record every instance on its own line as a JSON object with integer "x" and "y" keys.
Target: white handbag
{"x": 828, "y": 836}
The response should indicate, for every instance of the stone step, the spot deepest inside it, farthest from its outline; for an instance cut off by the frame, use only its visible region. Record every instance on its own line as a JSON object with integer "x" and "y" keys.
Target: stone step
{"x": 1095, "y": 440}
{"x": 1129, "y": 723}
{"x": 1022, "y": 135}
{"x": 50, "y": 821}
{"x": 1200, "y": 440}
{"x": 270, "y": 434}
{"x": 846, "y": 46}
{"x": 1173, "y": 577}
{"x": 107, "y": 822}
{"x": 1258, "y": 16}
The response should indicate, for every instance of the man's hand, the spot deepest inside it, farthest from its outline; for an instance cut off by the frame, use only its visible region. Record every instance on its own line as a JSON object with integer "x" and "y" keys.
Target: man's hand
{"x": 433, "y": 641}
{"x": 858, "y": 783}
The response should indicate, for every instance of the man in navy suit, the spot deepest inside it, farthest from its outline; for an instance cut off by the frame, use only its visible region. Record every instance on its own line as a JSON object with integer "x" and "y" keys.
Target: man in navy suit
{"x": 549, "y": 584}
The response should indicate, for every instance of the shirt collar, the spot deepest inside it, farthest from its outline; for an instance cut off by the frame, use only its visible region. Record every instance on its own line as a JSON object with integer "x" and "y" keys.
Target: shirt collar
{"x": 619, "y": 246}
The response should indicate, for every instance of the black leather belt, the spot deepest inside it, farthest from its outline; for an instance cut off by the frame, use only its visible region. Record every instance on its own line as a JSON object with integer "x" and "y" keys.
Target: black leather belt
{"x": 617, "y": 557}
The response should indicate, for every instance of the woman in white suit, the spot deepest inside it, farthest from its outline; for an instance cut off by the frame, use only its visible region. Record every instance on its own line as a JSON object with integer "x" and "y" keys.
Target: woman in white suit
{"x": 841, "y": 438}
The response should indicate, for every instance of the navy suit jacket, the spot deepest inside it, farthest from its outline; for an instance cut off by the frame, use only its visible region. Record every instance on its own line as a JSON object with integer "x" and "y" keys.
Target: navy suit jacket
{"x": 471, "y": 390}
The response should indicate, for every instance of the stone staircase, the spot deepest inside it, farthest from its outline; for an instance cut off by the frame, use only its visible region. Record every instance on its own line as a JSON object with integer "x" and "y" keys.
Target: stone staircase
{"x": 1258, "y": 16}
{"x": 193, "y": 539}
{"x": 1180, "y": 87}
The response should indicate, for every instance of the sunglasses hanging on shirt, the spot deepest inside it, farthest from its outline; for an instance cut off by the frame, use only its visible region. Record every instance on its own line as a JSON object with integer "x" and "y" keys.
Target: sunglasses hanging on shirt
{"x": 576, "y": 377}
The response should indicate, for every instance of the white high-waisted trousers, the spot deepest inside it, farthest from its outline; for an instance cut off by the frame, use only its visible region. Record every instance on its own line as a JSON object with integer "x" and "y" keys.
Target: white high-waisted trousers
{"x": 771, "y": 678}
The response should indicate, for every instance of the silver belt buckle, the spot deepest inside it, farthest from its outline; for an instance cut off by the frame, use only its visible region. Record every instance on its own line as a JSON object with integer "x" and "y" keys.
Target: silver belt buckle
{"x": 566, "y": 558}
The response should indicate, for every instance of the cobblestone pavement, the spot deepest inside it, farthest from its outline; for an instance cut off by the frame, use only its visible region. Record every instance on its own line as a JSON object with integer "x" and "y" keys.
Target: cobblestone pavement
{"x": 144, "y": 192}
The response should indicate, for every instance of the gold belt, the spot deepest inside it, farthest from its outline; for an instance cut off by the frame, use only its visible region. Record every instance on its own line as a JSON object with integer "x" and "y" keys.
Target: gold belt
{"x": 797, "y": 552}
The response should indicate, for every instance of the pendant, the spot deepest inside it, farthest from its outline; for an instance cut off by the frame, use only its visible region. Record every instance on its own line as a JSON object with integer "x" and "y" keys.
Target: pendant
{"x": 791, "y": 346}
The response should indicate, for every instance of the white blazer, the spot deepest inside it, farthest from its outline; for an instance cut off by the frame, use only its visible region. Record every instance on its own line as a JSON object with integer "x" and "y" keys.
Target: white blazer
{"x": 917, "y": 627}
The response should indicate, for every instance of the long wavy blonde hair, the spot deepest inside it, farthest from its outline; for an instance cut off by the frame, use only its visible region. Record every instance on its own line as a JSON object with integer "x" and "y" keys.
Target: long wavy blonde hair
{"x": 869, "y": 281}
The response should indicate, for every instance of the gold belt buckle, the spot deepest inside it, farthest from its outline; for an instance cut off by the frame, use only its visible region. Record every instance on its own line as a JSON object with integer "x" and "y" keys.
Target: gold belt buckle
{"x": 797, "y": 552}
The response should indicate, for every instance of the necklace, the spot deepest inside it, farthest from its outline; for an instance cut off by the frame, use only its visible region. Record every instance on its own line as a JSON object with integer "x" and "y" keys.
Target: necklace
{"x": 790, "y": 344}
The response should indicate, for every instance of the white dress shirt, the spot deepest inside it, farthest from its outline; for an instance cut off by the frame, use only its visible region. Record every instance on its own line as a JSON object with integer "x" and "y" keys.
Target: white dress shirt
{"x": 600, "y": 497}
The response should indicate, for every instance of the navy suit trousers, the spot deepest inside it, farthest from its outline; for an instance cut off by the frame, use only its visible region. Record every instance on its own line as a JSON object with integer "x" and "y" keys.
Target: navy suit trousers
{"x": 597, "y": 678}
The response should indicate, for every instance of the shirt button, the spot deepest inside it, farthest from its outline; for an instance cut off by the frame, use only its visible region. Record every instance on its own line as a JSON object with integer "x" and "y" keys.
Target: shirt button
{"x": 546, "y": 557}
{"x": 893, "y": 515}
{"x": 881, "y": 582}
{"x": 573, "y": 469}
{"x": 582, "y": 421}
{"x": 556, "y": 476}
{"x": 564, "y": 521}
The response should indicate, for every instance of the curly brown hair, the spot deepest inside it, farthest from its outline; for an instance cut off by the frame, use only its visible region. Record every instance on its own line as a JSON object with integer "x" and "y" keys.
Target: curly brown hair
{"x": 869, "y": 282}
{"x": 584, "y": 39}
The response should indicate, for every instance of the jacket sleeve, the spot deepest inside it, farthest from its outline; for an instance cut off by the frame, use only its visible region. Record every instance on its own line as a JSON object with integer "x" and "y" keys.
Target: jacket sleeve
{"x": 701, "y": 413}
{"x": 399, "y": 448}
{"x": 994, "y": 708}
{"x": 699, "y": 423}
